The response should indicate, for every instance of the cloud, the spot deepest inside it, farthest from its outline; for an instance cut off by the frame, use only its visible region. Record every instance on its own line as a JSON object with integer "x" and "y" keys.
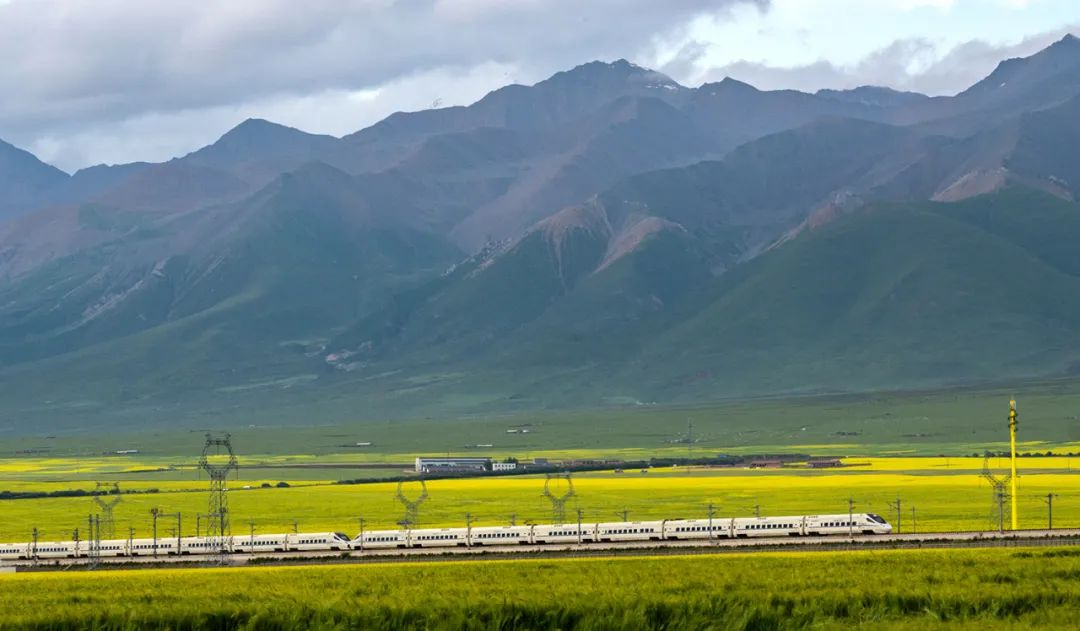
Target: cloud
{"x": 917, "y": 65}
{"x": 80, "y": 68}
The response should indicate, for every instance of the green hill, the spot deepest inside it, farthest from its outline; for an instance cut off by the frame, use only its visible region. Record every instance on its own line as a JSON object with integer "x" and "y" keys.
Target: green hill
{"x": 893, "y": 296}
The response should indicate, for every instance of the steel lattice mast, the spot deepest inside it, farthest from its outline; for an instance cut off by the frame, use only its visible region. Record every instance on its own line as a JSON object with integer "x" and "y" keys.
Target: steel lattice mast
{"x": 106, "y": 525}
{"x": 998, "y": 484}
{"x": 412, "y": 506}
{"x": 218, "y": 460}
{"x": 558, "y": 502}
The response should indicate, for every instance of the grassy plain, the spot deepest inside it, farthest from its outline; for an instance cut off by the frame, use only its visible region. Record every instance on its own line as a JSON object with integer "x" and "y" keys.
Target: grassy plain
{"x": 954, "y": 422}
{"x": 957, "y": 589}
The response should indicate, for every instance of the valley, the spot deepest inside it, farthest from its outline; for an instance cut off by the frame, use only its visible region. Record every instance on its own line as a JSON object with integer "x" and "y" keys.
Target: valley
{"x": 504, "y": 361}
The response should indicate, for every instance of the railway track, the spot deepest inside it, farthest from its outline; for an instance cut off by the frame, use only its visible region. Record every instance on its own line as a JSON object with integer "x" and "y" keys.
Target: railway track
{"x": 982, "y": 539}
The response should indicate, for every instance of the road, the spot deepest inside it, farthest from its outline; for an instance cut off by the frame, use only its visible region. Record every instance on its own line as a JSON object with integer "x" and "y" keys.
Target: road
{"x": 1057, "y": 537}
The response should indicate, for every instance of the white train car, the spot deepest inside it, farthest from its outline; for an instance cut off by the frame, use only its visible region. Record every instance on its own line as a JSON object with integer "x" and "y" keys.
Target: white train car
{"x": 564, "y": 533}
{"x": 145, "y": 547}
{"x": 14, "y": 551}
{"x": 857, "y": 523}
{"x": 767, "y": 526}
{"x": 311, "y": 541}
{"x": 687, "y": 529}
{"x": 106, "y": 548}
{"x": 261, "y": 543}
{"x": 438, "y": 537}
{"x": 380, "y": 539}
{"x": 204, "y": 545}
{"x": 500, "y": 535}
{"x": 54, "y": 550}
{"x": 630, "y": 531}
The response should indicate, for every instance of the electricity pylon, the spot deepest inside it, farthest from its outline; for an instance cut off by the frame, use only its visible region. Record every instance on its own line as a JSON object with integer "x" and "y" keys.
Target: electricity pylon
{"x": 412, "y": 507}
{"x": 1000, "y": 493}
{"x": 106, "y": 526}
{"x": 218, "y": 460}
{"x": 558, "y": 502}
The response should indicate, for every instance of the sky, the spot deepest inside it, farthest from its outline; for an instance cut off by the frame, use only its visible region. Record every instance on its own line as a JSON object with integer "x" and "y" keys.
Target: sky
{"x": 110, "y": 81}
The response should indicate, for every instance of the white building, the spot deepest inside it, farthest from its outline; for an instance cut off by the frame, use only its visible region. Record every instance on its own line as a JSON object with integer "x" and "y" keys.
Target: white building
{"x": 453, "y": 465}
{"x": 503, "y": 466}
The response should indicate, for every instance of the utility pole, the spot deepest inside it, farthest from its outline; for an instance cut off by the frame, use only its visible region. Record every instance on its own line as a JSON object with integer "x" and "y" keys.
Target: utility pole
{"x": 579, "y": 526}
{"x": 513, "y": 519}
{"x": 361, "y": 534}
{"x": 712, "y": 513}
{"x": 33, "y": 550}
{"x": 1050, "y": 510}
{"x": 1013, "y": 424}
{"x": 295, "y": 527}
{"x": 157, "y": 514}
{"x": 154, "y": 514}
{"x": 93, "y": 552}
{"x": 851, "y": 517}
{"x": 251, "y": 526}
{"x": 625, "y": 514}
{"x": 896, "y": 505}
{"x": 757, "y": 511}
{"x": 468, "y": 530}
{"x": 999, "y": 495}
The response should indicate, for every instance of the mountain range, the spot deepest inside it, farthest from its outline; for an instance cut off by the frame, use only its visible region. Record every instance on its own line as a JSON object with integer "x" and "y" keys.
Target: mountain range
{"x": 604, "y": 237}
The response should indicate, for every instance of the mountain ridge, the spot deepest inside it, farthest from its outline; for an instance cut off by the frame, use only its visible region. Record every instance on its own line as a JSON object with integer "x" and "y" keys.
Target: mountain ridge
{"x": 604, "y": 235}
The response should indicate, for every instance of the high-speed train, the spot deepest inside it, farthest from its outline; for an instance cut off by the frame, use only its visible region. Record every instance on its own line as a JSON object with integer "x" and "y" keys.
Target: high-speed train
{"x": 572, "y": 533}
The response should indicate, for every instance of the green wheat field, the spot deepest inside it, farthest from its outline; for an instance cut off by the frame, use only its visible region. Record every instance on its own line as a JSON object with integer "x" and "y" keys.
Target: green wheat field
{"x": 965, "y": 589}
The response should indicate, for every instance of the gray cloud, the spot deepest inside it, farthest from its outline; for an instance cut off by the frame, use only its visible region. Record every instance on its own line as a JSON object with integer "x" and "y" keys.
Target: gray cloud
{"x": 912, "y": 64}
{"x": 93, "y": 69}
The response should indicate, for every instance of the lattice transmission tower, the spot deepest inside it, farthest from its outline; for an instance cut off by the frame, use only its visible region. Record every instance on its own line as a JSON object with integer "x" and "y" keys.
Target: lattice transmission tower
{"x": 999, "y": 485}
{"x": 218, "y": 461}
{"x": 558, "y": 500}
{"x": 106, "y": 497}
{"x": 412, "y": 506}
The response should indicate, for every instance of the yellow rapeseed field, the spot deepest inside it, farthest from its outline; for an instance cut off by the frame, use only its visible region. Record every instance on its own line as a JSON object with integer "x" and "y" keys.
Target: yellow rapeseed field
{"x": 943, "y": 499}
{"x": 960, "y": 463}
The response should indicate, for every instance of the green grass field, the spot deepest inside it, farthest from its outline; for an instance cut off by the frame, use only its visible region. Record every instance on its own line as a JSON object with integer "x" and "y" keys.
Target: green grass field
{"x": 959, "y": 421}
{"x": 956, "y": 589}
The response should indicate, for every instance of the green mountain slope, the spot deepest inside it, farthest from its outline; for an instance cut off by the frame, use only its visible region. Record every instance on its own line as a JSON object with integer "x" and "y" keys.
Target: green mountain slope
{"x": 894, "y": 296}
{"x": 155, "y": 315}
